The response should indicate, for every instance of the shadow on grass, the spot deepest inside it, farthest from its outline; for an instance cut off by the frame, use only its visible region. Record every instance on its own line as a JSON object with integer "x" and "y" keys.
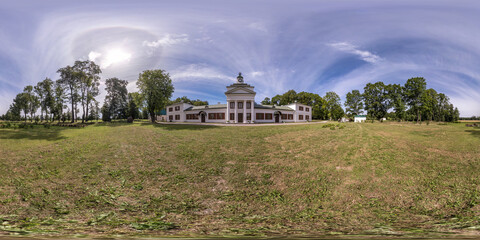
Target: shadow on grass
{"x": 475, "y": 132}
{"x": 169, "y": 127}
{"x": 52, "y": 134}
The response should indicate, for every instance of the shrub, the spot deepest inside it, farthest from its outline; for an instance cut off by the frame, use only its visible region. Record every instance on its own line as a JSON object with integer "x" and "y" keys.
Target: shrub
{"x": 130, "y": 119}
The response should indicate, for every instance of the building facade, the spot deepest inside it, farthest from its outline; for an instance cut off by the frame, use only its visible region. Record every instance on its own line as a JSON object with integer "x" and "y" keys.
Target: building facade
{"x": 240, "y": 108}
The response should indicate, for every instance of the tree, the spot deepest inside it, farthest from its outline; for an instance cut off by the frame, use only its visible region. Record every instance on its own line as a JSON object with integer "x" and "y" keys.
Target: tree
{"x": 429, "y": 104}
{"x": 397, "y": 99}
{"x": 354, "y": 104}
{"x": 333, "y": 106}
{"x": 377, "y": 101}
{"x": 266, "y": 101}
{"x": 157, "y": 88}
{"x": 68, "y": 80}
{"x": 116, "y": 98}
{"x": 44, "y": 90}
{"x": 414, "y": 88}
{"x": 133, "y": 110}
{"x": 32, "y": 101}
{"x": 20, "y": 103}
{"x": 58, "y": 100}
{"x": 88, "y": 79}
{"x": 277, "y": 99}
{"x": 185, "y": 99}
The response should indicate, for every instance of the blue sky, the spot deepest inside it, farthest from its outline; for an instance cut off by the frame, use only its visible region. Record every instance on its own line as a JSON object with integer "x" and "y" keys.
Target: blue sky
{"x": 315, "y": 46}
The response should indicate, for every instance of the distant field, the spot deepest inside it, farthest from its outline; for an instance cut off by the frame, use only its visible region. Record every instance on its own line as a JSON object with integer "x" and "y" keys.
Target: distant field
{"x": 464, "y": 121}
{"x": 379, "y": 178}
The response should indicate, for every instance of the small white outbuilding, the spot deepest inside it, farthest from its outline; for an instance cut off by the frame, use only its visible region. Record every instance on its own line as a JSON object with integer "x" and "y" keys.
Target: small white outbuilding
{"x": 360, "y": 118}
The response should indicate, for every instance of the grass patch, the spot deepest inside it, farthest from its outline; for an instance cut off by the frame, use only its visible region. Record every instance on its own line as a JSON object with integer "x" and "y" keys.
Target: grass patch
{"x": 387, "y": 178}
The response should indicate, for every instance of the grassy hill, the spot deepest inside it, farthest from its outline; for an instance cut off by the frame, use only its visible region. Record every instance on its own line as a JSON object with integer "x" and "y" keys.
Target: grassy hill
{"x": 194, "y": 180}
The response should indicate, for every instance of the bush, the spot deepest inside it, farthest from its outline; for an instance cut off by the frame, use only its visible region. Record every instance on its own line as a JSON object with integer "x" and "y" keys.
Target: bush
{"x": 130, "y": 119}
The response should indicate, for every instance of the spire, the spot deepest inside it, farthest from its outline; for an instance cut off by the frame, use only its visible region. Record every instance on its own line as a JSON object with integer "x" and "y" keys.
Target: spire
{"x": 240, "y": 78}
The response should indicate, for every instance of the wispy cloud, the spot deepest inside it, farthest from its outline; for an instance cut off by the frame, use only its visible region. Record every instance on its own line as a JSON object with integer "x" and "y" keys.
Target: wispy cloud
{"x": 352, "y": 49}
{"x": 167, "y": 40}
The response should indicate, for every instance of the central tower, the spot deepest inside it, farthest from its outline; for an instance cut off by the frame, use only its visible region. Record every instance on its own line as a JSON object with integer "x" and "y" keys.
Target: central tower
{"x": 240, "y": 102}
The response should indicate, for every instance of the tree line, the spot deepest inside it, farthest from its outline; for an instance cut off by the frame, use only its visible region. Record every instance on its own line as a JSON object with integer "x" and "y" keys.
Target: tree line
{"x": 410, "y": 102}
{"x": 78, "y": 87}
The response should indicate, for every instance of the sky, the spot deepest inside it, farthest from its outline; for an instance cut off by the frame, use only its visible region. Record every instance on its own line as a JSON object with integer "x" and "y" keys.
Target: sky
{"x": 314, "y": 46}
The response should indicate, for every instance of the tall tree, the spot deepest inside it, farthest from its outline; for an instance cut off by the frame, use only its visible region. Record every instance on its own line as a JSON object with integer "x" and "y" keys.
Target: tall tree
{"x": 45, "y": 92}
{"x": 133, "y": 110}
{"x": 185, "y": 99}
{"x": 396, "y": 95}
{"x": 68, "y": 80}
{"x": 354, "y": 104}
{"x": 157, "y": 88}
{"x": 32, "y": 101}
{"x": 116, "y": 98}
{"x": 377, "y": 101}
{"x": 333, "y": 105}
{"x": 266, "y": 101}
{"x": 59, "y": 99}
{"x": 88, "y": 79}
{"x": 429, "y": 104}
{"x": 20, "y": 103}
{"x": 414, "y": 88}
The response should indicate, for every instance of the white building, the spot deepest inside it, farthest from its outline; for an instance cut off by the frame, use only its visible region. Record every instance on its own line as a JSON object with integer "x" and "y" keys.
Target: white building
{"x": 240, "y": 108}
{"x": 360, "y": 118}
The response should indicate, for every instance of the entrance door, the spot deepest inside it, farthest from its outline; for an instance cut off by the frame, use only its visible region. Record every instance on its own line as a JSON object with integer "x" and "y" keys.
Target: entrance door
{"x": 203, "y": 117}
{"x": 277, "y": 118}
{"x": 240, "y": 118}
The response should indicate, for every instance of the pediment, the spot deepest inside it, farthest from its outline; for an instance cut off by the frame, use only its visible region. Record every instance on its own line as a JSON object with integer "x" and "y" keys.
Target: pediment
{"x": 240, "y": 90}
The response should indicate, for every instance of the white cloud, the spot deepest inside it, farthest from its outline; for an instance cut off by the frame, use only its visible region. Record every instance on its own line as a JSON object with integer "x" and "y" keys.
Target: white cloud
{"x": 92, "y": 56}
{"x": 112, "y": 56}
{"x": 257, "y": 74}
{"x": 199, "y": 71}
{"x": 258, "y": 26}
{"x": 352, "y": 49}
{"x": 167, "y": 40}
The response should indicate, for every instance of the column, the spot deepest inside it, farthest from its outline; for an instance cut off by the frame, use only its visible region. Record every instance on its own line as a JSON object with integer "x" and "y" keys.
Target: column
{"x": 244, "y": 111}
{"x": 252, "y": 114}
{"x": 236, "y": 115}
{"x": 227, "y": 115}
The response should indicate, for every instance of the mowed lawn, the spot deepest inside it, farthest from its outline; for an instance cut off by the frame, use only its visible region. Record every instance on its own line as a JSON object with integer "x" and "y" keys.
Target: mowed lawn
{"x": 195, "y": 180}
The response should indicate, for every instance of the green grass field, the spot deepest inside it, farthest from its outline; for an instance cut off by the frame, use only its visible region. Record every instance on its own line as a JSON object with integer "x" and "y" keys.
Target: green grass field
{"x": 118, "y": 178}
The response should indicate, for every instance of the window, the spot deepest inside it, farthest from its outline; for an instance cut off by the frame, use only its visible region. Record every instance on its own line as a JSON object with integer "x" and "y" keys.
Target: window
{"x": 177, "y": 117}
{"x": 284, "y": 116}
{"x": 192, "y": 116}
{"x": 260, "y": 116}
{"x": 300, "y": 108}
{"x": 232, "y": 105}
{"x": 290, "y": 116}
{"x": 170, "y": 109}
{"x": 307, "y": 117}
{"x": 177, "y": 108}
{"x": 240, "y": 105}
{"x": 300, "y": 117}
{"x": 268, "y": 116}
{"x": 249, "y": 105}
{"x": 249, "y": 116}
{"x": 232, "y": 116}
{"x": 170, "y": 117}
{"x": 216, "y": 116}
{"x": 307, "y": 109}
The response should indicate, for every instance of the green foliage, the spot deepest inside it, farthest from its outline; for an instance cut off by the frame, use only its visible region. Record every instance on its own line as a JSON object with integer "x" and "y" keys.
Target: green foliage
{"x": 333, "y": 106}
{"x": 156, "y": 88}
{"x": 116, "y": 100}
{"x": 354, "y": 104}
{"x": 185, "y": 99}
